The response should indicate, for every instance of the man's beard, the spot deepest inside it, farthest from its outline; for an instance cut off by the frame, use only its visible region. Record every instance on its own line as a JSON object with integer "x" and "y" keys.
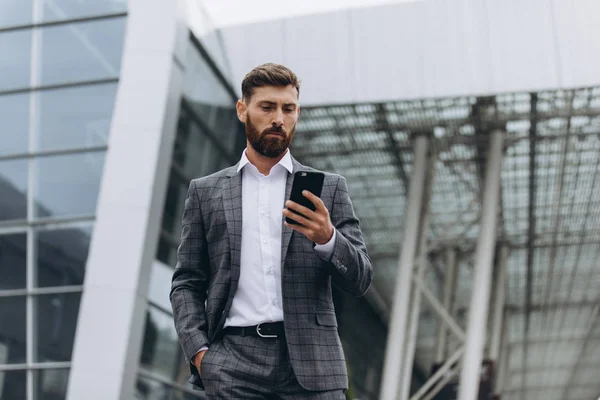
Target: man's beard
{"x": 267, "y": 145}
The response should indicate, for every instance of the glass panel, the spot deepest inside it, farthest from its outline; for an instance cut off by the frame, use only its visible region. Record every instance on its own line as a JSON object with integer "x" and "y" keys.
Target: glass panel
{"x": 147, "y": 389}
{"x": 68, "y": 185}
{"x": 13, "y": 261}
{"x": 76, "y": 117}
{"x": 13, "y": 186}
{"x": 160, "y": 351}
{"x": 51, "y": 384}
{"x": 62, "y": 255}
{"x": 166, "y": 253}
{"x": 55, "y": 323}
{"x": 15, "y": 60}
{"x": 12, "y": 385}
{"x": 195, "y": 153}
{"x": 15, "y": 12}
{"x": 12, "y": 330}
{"x": 68, "y": 9}
{"x": 201, "y": 85}
{"x": 83, "y": 51}
{"x": 14, "y": 114}
{"x": 160, "y": 284}
{"x": 174, "y": 204}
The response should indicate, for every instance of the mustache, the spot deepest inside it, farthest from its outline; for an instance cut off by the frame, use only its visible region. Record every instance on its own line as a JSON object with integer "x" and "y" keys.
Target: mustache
{"x": 275, "y": 129}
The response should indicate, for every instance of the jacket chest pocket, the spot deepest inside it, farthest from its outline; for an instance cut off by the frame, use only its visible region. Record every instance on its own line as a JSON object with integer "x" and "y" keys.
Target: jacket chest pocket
{"x": 326, "y": 318}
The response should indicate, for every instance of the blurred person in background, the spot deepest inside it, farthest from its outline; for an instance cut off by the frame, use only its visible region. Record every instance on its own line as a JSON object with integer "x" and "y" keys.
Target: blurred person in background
{"x": 251, "y": 294}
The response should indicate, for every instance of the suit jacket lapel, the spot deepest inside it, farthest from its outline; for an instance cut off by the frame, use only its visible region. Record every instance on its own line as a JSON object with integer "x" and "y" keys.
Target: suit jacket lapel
{"x": 232, "y": 207}
{"x": 286, "y": 233}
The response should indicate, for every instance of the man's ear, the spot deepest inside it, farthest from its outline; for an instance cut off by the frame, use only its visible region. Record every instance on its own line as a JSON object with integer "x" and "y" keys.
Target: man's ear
{"x": 241, "y": 108}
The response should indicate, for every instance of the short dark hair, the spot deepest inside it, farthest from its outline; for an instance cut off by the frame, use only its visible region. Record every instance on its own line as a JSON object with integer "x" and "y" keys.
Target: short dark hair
{"x": 268, "y": 74}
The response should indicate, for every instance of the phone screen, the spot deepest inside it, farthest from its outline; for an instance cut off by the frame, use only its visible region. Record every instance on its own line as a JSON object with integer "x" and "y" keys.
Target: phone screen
{"x": 305, "y": 180}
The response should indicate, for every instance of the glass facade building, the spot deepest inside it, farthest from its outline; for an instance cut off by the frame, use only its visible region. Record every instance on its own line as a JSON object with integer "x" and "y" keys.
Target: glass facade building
{"x": 60, "y": 63}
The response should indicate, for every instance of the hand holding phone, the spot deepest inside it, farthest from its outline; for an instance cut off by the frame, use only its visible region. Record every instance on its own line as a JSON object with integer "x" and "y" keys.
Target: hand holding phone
{"x": 306, "y": 206}
{"x": 305, "y": 180}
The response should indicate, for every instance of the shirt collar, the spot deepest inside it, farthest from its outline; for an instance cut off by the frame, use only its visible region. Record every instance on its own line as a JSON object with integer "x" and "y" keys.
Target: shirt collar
{"x": 286, "y": 161}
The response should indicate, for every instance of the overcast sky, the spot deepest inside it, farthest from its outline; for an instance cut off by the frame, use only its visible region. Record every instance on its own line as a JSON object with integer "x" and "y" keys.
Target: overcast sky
{"x": 232, "y": 12}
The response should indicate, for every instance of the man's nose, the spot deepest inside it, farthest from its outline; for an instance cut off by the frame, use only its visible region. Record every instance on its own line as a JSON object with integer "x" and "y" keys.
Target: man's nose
{"x": 277, "y": 119}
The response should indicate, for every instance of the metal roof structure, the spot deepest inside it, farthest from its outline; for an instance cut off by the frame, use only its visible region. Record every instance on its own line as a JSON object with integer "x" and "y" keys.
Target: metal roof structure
{"x": 549, "y": 216}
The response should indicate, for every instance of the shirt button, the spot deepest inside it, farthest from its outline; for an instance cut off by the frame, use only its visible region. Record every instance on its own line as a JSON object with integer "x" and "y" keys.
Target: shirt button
{"x": 274, "y": 302}
{"x": 265, "y": 242}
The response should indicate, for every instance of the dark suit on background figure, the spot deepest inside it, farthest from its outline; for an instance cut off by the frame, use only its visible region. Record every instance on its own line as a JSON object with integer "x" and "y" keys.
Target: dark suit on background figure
{"x": 227, "y": 271}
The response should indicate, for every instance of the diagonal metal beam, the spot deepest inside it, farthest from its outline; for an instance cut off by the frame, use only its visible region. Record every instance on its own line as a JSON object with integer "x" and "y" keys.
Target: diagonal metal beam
{"x": 438, "y": 374}
{"x": 439, "y": 308}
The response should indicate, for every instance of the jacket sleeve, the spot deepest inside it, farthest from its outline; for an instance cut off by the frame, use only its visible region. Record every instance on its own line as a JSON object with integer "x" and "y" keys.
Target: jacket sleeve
{"x": 190, "y": 280}
{"x": 350, "y": 265}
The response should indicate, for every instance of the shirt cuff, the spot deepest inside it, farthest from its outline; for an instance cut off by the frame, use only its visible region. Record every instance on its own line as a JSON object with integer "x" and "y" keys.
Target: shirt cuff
{"x": 201, "y": 349}
{"x": 326, "y": 250}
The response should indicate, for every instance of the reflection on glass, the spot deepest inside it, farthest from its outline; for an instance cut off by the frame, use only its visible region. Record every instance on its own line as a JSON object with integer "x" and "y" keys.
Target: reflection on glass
{"x": 160, "y": 284}
{"x": 15, "y": 12}
{"x": 53, "y": 10}
{"x": 55, "y": 323}
{"x": 13, "y": 187}
{"x": 15, "y": 60}
{"x": 12, "y": 385}
{"x": 195, "y": 152}
{"x": 160, "y": 351}
{"x": 14, "y": 114}
{"x": 51, "y": 384}
{"x": 61, "y": 256}
{"x": 166, "y": 252}
{"x": 13, "y": 261}
{"x": 75, "y": 117}
{"x": 12, "y": 330}
{"x": 209, "y": 98}
{"x": 82, "y": 51}
{"x": 174, "y": 204}
{"x": 68, "y": 184}
{"x": 147, "y": 389}
{"x": 201, "y": 85}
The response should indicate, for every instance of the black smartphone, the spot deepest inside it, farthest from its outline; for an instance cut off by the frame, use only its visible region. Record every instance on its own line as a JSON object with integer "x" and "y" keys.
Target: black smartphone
{"x": 305, "y": 180}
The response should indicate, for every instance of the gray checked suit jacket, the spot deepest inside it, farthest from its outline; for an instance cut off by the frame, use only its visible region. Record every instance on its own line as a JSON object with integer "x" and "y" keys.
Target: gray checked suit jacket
{"x": 208, "y": 270}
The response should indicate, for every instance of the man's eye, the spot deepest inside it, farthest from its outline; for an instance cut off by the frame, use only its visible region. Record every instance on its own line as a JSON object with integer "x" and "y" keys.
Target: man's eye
{"x": 267, "y": 108}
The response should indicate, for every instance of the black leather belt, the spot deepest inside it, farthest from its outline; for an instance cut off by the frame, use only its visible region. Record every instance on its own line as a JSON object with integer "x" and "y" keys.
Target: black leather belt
{"x": 264, "y": 330}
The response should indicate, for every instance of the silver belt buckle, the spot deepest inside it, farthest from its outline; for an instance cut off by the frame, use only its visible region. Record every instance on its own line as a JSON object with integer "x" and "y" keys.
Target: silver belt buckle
{"x": 261, "y": 335}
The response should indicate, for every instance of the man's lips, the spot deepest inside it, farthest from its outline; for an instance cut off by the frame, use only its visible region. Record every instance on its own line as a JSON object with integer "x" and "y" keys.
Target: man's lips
{"x": 276, "y": 134}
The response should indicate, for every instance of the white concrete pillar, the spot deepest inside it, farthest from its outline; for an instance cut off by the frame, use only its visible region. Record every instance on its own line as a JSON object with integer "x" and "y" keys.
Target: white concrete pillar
{"x": 397, "y": 332}
{"x": 478, "y": 312}
{"x": 421, "y": 267}
{"x": 499, "y": 283}
{"x": 113, "y": 306}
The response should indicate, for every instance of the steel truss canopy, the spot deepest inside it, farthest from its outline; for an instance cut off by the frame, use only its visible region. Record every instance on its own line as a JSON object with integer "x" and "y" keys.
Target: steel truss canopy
{"x": 549, "y": 216}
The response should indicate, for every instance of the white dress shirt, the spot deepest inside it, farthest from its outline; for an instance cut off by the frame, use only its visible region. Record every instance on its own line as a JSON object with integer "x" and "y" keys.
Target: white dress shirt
{"x": 258, "y": 297}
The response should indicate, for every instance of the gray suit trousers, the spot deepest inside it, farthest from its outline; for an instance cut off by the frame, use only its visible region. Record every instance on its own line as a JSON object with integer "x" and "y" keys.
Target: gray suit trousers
{"x": 248, "y": 367}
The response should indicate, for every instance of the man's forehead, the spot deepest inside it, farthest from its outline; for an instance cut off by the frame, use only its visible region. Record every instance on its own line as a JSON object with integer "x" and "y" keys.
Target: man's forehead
{"x": 276, "y": 94}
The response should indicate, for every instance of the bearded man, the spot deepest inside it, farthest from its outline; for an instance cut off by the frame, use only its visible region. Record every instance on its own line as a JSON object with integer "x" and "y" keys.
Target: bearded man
{"x": 251, "y": 294}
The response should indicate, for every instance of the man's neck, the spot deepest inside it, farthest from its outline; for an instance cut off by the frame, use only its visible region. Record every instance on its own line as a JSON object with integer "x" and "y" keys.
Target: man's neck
{"x": 262, "y": 163}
